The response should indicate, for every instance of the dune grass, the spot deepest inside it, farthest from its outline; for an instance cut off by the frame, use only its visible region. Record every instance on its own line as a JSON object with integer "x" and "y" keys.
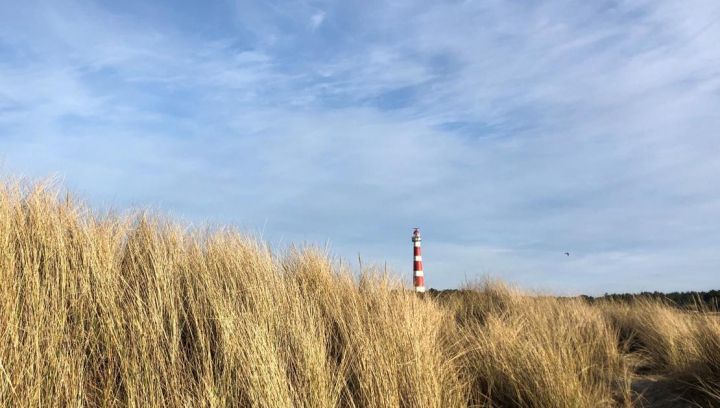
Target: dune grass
{"x": 538, "y": 351}
{"x": 681, "y": 345}
{"x": 137, "y": 311}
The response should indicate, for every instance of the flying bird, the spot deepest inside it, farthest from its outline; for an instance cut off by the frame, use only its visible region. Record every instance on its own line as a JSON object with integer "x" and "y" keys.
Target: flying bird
{"x": 567, "y": 253}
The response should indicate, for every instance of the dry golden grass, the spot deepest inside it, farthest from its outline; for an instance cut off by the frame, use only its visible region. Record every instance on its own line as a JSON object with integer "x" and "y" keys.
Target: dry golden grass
{"x": 106, "y": 310}
{"x": 682, "y": 346}
{"x": 537, "y": 351}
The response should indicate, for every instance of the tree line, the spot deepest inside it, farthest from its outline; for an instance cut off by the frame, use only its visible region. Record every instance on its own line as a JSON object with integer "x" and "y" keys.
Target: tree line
{"x": 708, "y": 299}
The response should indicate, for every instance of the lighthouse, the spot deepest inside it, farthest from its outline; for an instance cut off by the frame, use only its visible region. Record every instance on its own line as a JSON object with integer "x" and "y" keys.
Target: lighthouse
{"x": 418, "y": 276}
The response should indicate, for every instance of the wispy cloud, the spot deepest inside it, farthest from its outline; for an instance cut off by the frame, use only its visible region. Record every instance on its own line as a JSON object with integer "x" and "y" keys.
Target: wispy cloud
{"x": 511, "y": 132}
{"x": 317, "y": 19}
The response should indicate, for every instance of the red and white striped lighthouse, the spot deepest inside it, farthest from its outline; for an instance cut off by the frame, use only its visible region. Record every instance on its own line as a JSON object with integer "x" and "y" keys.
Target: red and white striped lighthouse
{"x": 418, "y": 276}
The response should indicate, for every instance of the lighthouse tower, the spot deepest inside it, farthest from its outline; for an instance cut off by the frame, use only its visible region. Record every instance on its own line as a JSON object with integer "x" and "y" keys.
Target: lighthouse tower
{"x": 418, "y": 276}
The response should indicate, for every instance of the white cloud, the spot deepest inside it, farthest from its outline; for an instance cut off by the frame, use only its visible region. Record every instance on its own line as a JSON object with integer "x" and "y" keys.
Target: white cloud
{"x": 317, "y": 19}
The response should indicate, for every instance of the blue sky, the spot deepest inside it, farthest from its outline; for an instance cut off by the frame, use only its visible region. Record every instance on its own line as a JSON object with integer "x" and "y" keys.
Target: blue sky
{"x": 509, "y": 131}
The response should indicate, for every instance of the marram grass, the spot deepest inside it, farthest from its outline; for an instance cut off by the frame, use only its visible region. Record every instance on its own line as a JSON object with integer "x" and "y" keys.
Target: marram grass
{"x": 138, "y": 311}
